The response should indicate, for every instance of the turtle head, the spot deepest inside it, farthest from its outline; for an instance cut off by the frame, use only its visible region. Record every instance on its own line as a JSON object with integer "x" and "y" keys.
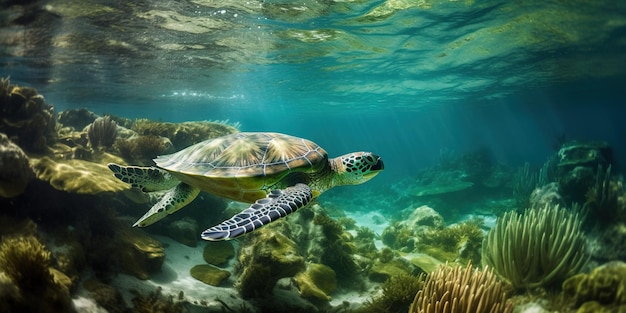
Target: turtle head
{"x": 357, "y": 167}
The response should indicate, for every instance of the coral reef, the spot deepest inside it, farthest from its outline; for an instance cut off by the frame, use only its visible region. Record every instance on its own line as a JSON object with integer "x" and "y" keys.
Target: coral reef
{"x": 15, "y": 170}
{"x": 28, "y": 282}
{"x": 458, "y": 289}
{"x": 102, "y": 132}
{"x": 338, "y": 247}
{"x": 183, "y": 134}
{"x": 77, "y": 119}
{"x": 209, "y": 274}
{"x": 604, "y": 289}
{"x": 27, "y": 119}
{"x": 538, "y": 248}
{"x": 402, "y": 235}
{"x": 142, "y": 149}
{"x": 457, "y": 243}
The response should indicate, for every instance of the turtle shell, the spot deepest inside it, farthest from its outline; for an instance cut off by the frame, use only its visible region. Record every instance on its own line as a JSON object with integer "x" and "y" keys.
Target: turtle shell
{"x": 244, "y": 166}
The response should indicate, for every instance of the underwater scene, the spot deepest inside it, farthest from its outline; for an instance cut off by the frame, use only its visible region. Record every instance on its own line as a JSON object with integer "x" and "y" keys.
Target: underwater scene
{"x": 420, "y": 156}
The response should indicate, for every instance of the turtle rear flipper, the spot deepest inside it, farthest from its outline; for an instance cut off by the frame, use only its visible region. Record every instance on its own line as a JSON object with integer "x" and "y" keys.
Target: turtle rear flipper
{"x": 277, "y": 204}
{"x": 146, "y": 178}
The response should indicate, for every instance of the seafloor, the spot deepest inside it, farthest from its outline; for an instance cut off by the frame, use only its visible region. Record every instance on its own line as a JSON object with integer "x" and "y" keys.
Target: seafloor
{"x": 67, "y": 245}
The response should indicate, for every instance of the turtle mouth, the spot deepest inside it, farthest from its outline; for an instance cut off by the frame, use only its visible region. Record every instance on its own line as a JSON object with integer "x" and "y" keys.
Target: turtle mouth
{"x": 370, "y": 175}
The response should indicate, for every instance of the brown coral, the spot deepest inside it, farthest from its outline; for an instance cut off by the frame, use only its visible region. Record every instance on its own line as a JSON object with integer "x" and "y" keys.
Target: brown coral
{"x": 27, "y": 119}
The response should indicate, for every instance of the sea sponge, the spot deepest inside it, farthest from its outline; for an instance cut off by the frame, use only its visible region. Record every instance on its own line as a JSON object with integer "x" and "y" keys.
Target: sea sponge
{"x": 15, "y": 170}
{"x": 604, "y": 286}
{"x": 458, "y": 289}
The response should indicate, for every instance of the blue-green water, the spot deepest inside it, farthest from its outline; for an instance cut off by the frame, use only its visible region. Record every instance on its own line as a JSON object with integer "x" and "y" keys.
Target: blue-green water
{"x": 405, "y": 79}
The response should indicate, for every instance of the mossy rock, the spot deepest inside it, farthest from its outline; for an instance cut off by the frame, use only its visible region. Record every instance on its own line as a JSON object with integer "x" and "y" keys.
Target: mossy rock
{"x": 78, "y": 176}
{"x": 317, "y": 282}
{"x": 380, "y": 271}
{"x": 423, "y": 261}
{"x": 209, "y": 274}
{"x": 265, "y": 257}
{"x": 185, "y": 231}
{"x": 218, "y": 252}
{"x": 140, "y": 255}
{"x": 605, "y": 285}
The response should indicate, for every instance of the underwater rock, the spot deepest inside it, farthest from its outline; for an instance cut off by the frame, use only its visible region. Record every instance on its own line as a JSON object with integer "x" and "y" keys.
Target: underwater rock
{"x": 382, "y": 271}
{"x": 105, "y": 296}
{"x": 318, "y": 281}
{"x": 547, "y": 194}
{"x": 578, "y": 164}
{"x": 140, "y": 255}
{"x": 78, "y": 119}
{"x": 604, "y": 288}
{"x": 265, "y": 257}
{"x": 78, "y": 176}
{"x": 15, "y": 170}
{"x": 184, "y": 230}
{"x": 209, "y": 274}
{"x": 27, "y": 119}
{"x": 218, "y": 252}
{"x": 402, "y": 235}
{"x": 423, "y": 261}
{"x": 424, "y": 217}
{"x": 586, "y": 154}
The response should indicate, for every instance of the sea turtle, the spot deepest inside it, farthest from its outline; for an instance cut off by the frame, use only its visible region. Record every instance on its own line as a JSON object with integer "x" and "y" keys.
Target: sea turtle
{"x": 277, "y": 173}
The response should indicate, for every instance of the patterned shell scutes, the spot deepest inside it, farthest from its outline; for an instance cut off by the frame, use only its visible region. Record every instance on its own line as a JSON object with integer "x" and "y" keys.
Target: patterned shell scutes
{"x": 246, "y": 155}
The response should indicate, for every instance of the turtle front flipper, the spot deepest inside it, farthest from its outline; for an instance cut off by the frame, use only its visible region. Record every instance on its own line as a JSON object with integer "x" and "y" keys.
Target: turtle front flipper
{"x": 173, "y": 200}
{"x": 277, "y": 204}
{"x": 146, "y": 178}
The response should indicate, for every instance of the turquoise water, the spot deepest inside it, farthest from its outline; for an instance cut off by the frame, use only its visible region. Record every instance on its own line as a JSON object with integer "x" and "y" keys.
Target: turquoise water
{"x": 405, "y": 79}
